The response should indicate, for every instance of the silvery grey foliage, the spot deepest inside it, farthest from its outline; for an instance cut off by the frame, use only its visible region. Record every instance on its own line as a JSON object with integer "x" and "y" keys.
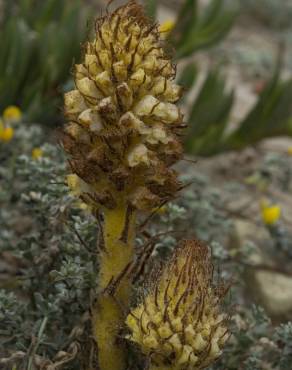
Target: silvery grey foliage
{"x": 206, "y": 218}
{"x": 52, "y": 244}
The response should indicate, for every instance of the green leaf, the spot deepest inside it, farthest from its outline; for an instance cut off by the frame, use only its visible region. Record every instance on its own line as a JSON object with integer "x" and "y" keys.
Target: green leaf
{"x": 212, "y": 11}
{"x": 151, "y": 8}
{"x": 209, "y": 116}
{"x": 188, "y": 76}
{"x": 186, "y": 17}
{"x": 52, "y": 11}
{"x": 200, "y": 30}
{"x": 16, "y": 61}
{"x": 39, "y": 43}
{"x": 271, "y": 115}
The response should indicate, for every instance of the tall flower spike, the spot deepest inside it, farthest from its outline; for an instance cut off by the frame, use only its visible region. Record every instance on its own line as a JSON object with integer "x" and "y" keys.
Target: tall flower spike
{"x": 122, "y": 135}
{"x": 121, "y": 138}
{"x": 179, "y": 323}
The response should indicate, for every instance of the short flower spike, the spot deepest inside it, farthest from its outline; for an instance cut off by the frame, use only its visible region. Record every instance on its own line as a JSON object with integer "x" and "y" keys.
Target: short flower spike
{"x": 179, "y": 323}
{"x": 124, "y": 124}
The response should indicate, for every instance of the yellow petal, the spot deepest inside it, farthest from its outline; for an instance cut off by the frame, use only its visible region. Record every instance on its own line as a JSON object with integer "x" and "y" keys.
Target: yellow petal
{"x": 270, "y": 213}
{"x": 12, "y": 113}
{"x": 37, "y": 153}
{"x": 166, "y": 26}
{"x": 6, "y": 134}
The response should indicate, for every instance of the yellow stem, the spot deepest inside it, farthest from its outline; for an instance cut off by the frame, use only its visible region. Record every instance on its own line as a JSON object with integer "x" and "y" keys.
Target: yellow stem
{"x": 107, "y": 315}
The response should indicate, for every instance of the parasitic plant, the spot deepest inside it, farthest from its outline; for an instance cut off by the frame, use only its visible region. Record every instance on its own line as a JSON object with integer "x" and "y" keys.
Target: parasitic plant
{"x": 179, "y": 324}
{"x": 122, "y": 136}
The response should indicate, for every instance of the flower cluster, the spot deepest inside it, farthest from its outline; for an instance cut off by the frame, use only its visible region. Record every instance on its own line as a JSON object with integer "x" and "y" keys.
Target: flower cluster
{"x": 179, "y": 323}
{"x": 124, "y": 125}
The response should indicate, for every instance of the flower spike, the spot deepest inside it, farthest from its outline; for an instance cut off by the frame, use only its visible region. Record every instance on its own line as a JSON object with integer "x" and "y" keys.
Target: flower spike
{"x": 179, "y": 323}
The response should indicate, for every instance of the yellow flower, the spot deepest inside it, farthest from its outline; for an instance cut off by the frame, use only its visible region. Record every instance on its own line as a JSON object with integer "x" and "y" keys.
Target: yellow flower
{"x": 270, "y": 213}
{"x": 289, "y": 150}
{"x": 12, "y": 113}
{"x": 37, "y": 153}
{"x": 167, "y": 26}
{"x": 6, "y": 133}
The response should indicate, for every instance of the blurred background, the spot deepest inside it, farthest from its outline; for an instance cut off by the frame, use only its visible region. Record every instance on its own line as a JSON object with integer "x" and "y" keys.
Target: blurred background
{"x": 234, "y": 60}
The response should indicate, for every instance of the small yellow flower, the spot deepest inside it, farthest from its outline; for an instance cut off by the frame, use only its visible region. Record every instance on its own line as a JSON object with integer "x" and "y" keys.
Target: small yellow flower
{"x": 37, "y": 153}
{"x": 289, "y": 151}
{"x": 12, "y": 114}
{"x": 167, "y": 26}
{"x": 6, "y": 133}
{"x": 270, "y": 213}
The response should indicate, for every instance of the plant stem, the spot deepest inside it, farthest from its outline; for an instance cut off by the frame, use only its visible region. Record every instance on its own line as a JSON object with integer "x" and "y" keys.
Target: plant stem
{"x": 108, "y": 315}
{"x": 38, "y": 341}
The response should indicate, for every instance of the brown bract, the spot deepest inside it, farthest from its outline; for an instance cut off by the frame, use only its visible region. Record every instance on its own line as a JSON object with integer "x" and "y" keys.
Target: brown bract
{"x": 123, "y": 126}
